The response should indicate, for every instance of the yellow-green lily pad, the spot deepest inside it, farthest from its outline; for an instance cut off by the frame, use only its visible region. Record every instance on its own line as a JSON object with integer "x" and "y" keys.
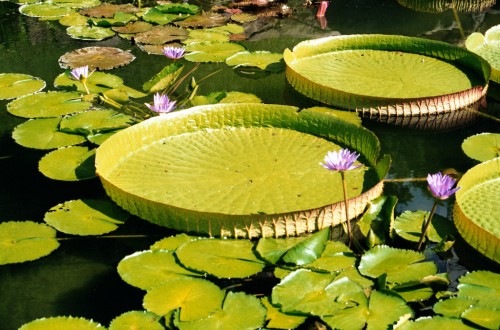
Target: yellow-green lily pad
{"x": 13, "y": 85}
{"x": 49, "y": 104}
{"x": 72, "y": 163}
{"x": 482, "y": 147}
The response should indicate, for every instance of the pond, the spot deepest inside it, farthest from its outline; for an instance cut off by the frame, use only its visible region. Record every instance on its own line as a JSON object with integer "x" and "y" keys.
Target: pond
{"x": 80, "y": 278}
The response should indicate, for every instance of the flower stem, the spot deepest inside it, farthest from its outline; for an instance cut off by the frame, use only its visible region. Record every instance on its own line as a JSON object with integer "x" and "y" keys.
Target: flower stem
{"x": 344, "y": 186}
{"x": 86, "y": 88}
{"x": 427, "y": 224}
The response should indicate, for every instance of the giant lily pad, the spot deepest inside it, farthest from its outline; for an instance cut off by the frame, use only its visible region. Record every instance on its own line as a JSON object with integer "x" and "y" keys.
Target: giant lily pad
{"x": 386, "y": 76}
{"x": 22, "y": 241}
{"x": 239, "y": 170}
{"x": 476, "y": 212}
{"x": 102, "y": 58}
{"x": 14, "y": 85}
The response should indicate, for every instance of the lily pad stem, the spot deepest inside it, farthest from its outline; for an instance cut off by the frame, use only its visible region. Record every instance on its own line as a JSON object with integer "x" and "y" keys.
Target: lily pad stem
{"x": 427, "y": 223}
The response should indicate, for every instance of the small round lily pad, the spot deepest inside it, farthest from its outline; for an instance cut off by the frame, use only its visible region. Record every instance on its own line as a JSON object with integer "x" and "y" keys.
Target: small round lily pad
{"x": 482, "y": 147}
{"x": 69, "y": 164}
{"x": 62, "y": 322}
{"x": 22, "y": 241}
{"x": 86, "y": 217}
{"x": 136, "y": 320}
{"x": 14, "y": 85}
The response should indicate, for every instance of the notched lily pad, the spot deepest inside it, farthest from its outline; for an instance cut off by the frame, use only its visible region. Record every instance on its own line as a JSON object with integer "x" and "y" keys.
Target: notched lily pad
{"x": 62, "y": 322}
{"x": 45, "y": 10}
{"x": 44, "y": 133}
{"x": 203, "y": 20}
{"x": 90, "y": 33}
{"x": 133, "y": 27}
{"x": 13, "y": 85}
{"x": 156, "y": 16}
{"x": 482, "y": 147}
{"x": 136, "y": 320}
{"x": 86, "y": 217}
{"x": 47, "y": 104}
{"x": 159, "y": 35}
{"x": 69, "y": 164}
{"x": 22, "y": 241}
{"x": 211, "y": 51}
{"x": 109, "y": 10}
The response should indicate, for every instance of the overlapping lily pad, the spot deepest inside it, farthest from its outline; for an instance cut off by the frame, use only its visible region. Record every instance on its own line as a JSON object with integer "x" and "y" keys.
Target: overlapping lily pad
{"x": 385, "y": 76}
{"x": 136, "y": 320}
{"x": 90, "y": 33}
{"x": 69, "y": 164}
{"x": 263, "y": 164}
{"x": 482, "y": 147}
{"x": 14, "y": 85}
{"x": 50, "y": 104}
{"x": 160, "y": 35}
{"x": 211, "y": 51}
{"x": 476, "y": 213}
{"x": 45, "y": 10}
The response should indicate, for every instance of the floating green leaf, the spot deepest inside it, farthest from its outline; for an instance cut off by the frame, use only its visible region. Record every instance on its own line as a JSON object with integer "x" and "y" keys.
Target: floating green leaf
{"x": 68, "y": 164}
{"x": 160, "y": 35}
{"x": 43, "y": 133}
{"x": 400, "y": 265}
{"x": 146, "y": 269}
{"x": 45, "y": 10}
{"x": 482, "y": 286}
{"x": 95, "y": 121}
{"x": 432, "y": 323}
{"x": 453, "y": 307}
{"x": 240, "y": 311}
{"x": 263, "y": 60}
{"x": 482, "y": 147}
{"x": 101, "y": 58}
{"x": 99, "y": 138}
{"x": 476, "y": 213}
{"x": 13, "y": 85}
{"x": 336, "y": 257}
{"x": 62, "y": 322}
{"x": 156, "y": 16}
{"x": 98, "y": 82}
{"x": 73, "y": 19}
{"x": 206, "y": 36}
{"x": 307, "y": 250}
{"x": 22, "y": 241}
{"x": 203, "y": 20}
{"x": 279, "y": 320}
{"x": 272, "y": 249}
{"x": 164, "y": 79}
{"x": 172, "y": 242}
{"x": 196, "y": 298}
{"x": 320, "y": 294}
{"x": 49, "y": 104}
{"x": 136, "y": 320}
{"x": 488, "y": 47}
{"x": 86, "y": 217}
{"x": 484, "y": 317}
{"x": 94, "y": 33}
{"x": 211, "y": 51}
{"x": 408, "y": 225}
{"x": 178, "y": 8}
{"x": 382, "y": 310}
{"x": 133, "y": 27}
{"x": 221, "y": 258}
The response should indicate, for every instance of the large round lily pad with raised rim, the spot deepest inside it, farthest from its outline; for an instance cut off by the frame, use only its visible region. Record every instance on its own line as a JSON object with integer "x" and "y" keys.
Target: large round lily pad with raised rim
{"x": 385, "y": 75}
{"x": 241, "y": 170}
{"x": 476, "y": 213}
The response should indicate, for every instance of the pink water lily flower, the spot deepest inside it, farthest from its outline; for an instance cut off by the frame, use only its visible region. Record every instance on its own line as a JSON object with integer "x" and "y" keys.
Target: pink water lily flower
{"x": 342, "y": 160}
{"x": 173, "y": 53}
{"x": 161, "y": 104}
{"x": 441, "y": 186}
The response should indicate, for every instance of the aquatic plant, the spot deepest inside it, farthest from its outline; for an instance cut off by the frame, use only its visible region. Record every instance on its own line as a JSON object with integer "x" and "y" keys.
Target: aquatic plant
{"x": 161, "y": 104}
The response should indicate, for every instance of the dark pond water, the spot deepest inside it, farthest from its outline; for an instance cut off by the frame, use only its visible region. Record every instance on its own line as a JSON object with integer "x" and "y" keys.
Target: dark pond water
{"x": 80, "y": 277}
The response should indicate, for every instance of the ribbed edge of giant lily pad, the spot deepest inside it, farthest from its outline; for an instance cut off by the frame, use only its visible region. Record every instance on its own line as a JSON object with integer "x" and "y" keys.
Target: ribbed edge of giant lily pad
{"x": 377, "y": 106}
{"x": 476, "y": 213}
{"x": 228, "y": 117}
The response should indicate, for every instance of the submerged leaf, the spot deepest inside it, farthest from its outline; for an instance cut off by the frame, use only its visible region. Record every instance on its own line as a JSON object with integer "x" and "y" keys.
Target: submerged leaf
{"x": 86, "y": 217}
{"x": 22, "y": 241}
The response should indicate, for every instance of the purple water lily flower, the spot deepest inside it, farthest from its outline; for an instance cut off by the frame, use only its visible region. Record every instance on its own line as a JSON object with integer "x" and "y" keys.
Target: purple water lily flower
{"x": 342, "y": 160}
{"x": 81, "y": 73}
{"x": 441, "y": 186}
{"x": 161, "y": 104}
{"x": 173, "y": 53}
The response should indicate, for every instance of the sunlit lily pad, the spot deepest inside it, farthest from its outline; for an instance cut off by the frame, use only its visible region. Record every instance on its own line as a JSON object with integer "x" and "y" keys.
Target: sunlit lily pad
{"x": 482, "y": 147}
{"x": 263, "y": 60}
{"x": 156, "y": 16}
{"x": 14, "y": 85}
{"x": 488, "y": 47}
{"x": 221, "y": 258}
{"x": 307, "y": 292}
{"x": 408, "y": 225}
{"x": 86, "y": 217}
{"x": 22, "y": 241}
{"x": 119, "y": 19}
{"x": 99, "y": 138}
{"x": 90, "y": 33}
{"x": 278, "y": 320}
{"x": 336, "y": 257}
{"x": 304, "y": 198}
{"x": 44, "y": 133}
{"x": 211, "y": 51}
{"x": 476, "y": 213}
{"x": 160, "y": 35}
{"x": 178, "y": 8}
{"x": 239, "y": 311}
{"x": 46, "y": 10}
{"x": 203, "y": 20}
{"x": 225, "y": 97}
{"x": 68, "y": 164}
{"x": 206, "y": 35}
{"x": 95, "y": 121}
{"x": 172, "y": 242}
{"x": 196, "y": 298}
{"x": 77, "y": 3}
{"x": 109, "y": 10}
{"x": 164, "y": 79}
{"x": 387, "y": 75}
{"x": 73, "y": 19}
{"x": 136, "y": 320}
{"x": 432, "y": 323}
{"x": 401, "y": 266}
{"x": 98, "y": 82}
{"x": 482, "y": 286}
{"x": 244, "y": 17}
{"x": 49, "y": 104}
{"x": 149, "y": 268}
{"x": 62, "y": 322}
{"x": 133, "y": 27}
